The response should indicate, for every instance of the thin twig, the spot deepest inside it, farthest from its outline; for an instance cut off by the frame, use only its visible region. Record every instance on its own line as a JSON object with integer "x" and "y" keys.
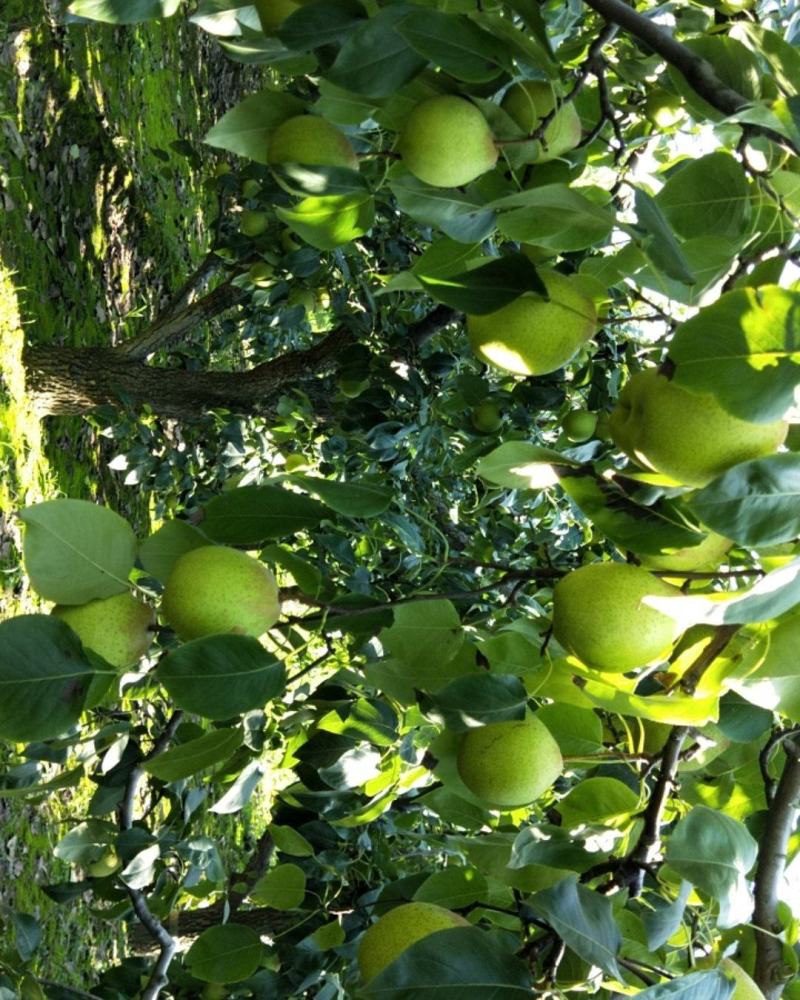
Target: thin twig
{"x": 699, "y": 73}
{"x": 722, "y": 636}
{"x": 158, "y": 979}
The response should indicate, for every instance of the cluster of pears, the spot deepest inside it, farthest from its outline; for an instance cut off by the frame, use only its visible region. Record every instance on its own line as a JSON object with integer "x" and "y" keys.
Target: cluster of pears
{"x": 210, "y": 590}
{"x": 685, "y": 435}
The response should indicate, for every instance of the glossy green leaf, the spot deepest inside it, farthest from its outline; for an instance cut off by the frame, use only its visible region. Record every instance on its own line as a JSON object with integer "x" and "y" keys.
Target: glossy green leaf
{"x": 520, "y": 465}
{"x": 487, "y": 288}
{"x": 123, "y": 11}
{"x": 329, "y": 221}
{"x": 480, "y": 700}
{"x": 245, "y": 129}
{"x": 452, "y": 964}
{"x": 159, "y": 552}
{"x": 316, "y": 24}
{"x": 598, "y": 801}
{"x": 665, "y": 918}
{"x": 745, "y": 350}
{"x": 424, "y": 631}
{"x": 662, "y": 247}
{"x": 221, "y": 676}
{"x": 755, "y": 503}
{"x": 715, "y": 853}
{"x": 711, "y": 985}
{"x": 361, "y": 498}
{"x": 775, "y": 684}
{"x": 44, "y": 677}
{"x": 76, "y": 551}
{"x": 584, "y": 920}
{"x": 254, "y": 514}
{"x": 282, "y": 888}
{"x": 455, "y": 44}
{"x": 194, "y": 756}
{"x": 707, "y": 197}
{"x": 376, "y": 60}
{"x": 553, "y": 216}
{"x": 288, "y": 841}
{"x": 229, "y": 953}
{"x": 454, "y": 888}
{"x": 461, "y": 216}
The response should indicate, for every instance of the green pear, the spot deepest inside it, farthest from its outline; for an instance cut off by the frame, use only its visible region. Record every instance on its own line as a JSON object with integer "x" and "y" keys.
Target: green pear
{"x": 745, "y": 989}
{"x": 215, "y": 589}
{"x": 250, "y": 187}
{"x": 486, "y": 417}
{"x": 706, "y": 556}
{"x": 262, "y": 274}
{"x": 397, "y": 930}
{"x": 311, "y": 140}
{"x": 509, "y": 764}
{"x": 118, "y": 628}
{"x": 599, "y": 616}
{"x": 531, "y": 101}
{"x": 252, "y": 223}
{"x": 534, "y": 336}
{"x": 579, "y": 425}
{"x": 685, "y": 435}
{"x": 105, "y": 865}
{"x": 447, "y": 142}
{"x": 662, "y": 108}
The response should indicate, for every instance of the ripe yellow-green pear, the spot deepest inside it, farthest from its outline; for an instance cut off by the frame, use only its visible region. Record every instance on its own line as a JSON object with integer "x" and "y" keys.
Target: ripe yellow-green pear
{"x": 447, "y": 142}
{"x": 118, "y": 628}
{"x": 217, "y": 589}
{"x": 397, "y": 930}
{"x": 579, "y": 425}
{"x": 599, "y": 616}
{"x": 662, "y": 108}
{"x": 531, "y": 101}
{"x": 311, "y": 140}
{"x": 745, "y": 989}
{"x": 486, "y": 417}
{"x": 252, "y": 223}
{"x": 705, "y": 556}
{"x": 509, "y": 764}
{"x": 534, "y": 336}
{"x": 685, "y": 435}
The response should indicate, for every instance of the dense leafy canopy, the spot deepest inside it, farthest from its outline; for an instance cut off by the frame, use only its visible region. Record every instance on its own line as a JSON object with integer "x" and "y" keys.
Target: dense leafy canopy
{"x": 418, "y": 507}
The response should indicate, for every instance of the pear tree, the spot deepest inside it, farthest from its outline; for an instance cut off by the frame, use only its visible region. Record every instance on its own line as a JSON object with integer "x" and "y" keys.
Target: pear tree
{"x": 462, "y": 658}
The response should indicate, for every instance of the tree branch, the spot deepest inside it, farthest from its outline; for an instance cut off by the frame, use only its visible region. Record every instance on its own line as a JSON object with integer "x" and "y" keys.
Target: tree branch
{"x": 158, "y": 979}
{"x": 699, "y": 73}
{"x": 177, "y": 324}
{"x": 722, "y": 636}
{"x": 770, "y": 971}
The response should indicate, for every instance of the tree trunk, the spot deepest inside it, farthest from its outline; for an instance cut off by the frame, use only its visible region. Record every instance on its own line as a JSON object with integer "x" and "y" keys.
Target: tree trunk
{"x": 75, "y": 380}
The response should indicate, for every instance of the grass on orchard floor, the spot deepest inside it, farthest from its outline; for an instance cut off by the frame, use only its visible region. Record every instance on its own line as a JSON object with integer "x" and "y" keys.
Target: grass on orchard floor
{"x": 101, "y": 217}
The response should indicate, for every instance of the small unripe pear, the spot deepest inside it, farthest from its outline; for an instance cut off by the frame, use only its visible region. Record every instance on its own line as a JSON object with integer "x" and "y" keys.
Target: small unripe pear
{"x": 579, "y": 425}
{"x": 663, "y": 108}
{"x": 104, "y": 866}
{"x": 262, "y": 274}
{"x": 252, "y": 223}
{"x": 311, "y": 140}
{"x": 531, "y": 101}
{"x": 685, "y": 435}
{"x": 250, "y": 187}
{"x": 397, "y": 930}
{"x": 447, "y": 142}
{"x": 216, "y": 589}
{"x": 486, "y": 417}
{"x": 509, "y": 764}
{"x": 599, "y": 615}
{"x": 534, "y": 336}
{"x": 118, "y": 628}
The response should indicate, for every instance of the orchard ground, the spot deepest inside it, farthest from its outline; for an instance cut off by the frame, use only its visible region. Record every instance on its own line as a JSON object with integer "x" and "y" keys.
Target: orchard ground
{"x": 101, "y": 216}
